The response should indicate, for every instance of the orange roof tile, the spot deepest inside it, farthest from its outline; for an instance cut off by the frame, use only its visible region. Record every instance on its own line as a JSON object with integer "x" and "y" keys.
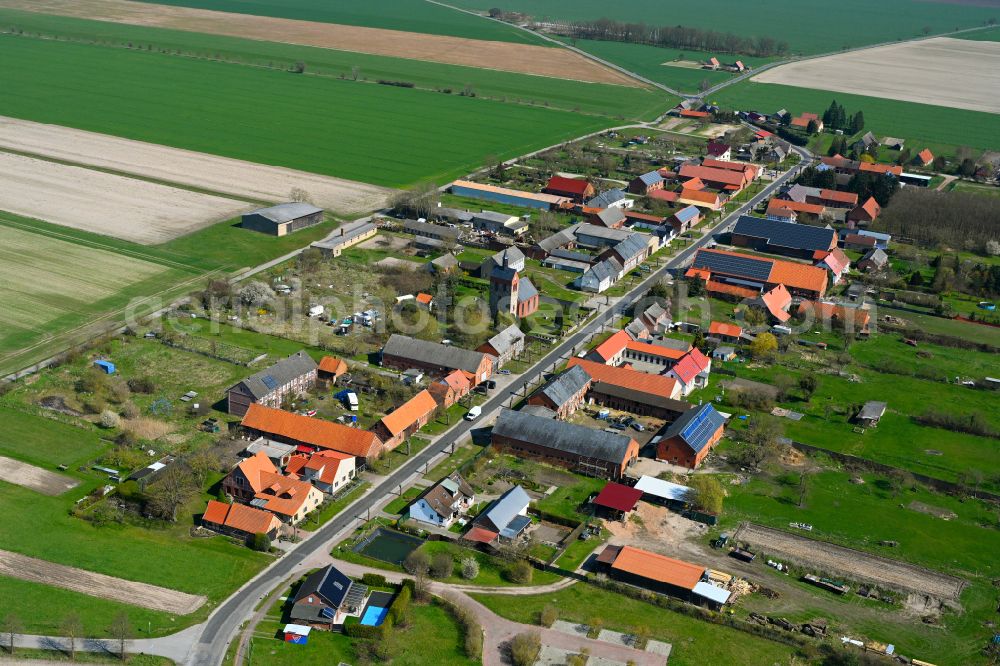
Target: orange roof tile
{"x": 695, "y": 184}
{"x": 311, "y": 431}
{"x": 708, "y": 174}
{"x": 876, "y": 167}
{"x": 871, "y": 207}
{"x": 842, "y": 197}
{"x": 730, "y": 289}
{"x": 798, "y": 276}
{"x": 424, "y": 299}
{"x": 256, "y": 468}
{"x": 664, "y": 195}
{"x": 798, "y": 207}
{"x": 926, "y": 156}
{"x": 659, "y": 568}
{"x": 831, "y": 311}
{"x": 691, "y": 365}
{"x": 216, "y": 512}
{"x": 240, "y": 517}
{"x": 458, "y": 381}
{"x": 694, "y": 114}
{"x": 284, "y": 494}
{"x": 695, "y": 197}
{"x": 724, "y": 328}
{"x": 613, "y": 345}
{"x": 654, "y": 350}
{"x": 404, "y": 416}
{"x": 777, "y": 301}
{"x": 328, "y": 461}
{"x": 626, "y": 378}
{"x": 749, "y": 169}
{"x": 333, "y": 365}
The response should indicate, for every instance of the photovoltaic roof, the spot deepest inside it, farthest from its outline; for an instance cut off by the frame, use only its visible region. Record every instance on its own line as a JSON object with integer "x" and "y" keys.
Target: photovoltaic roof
{"x": 696, "y": 426}
{"x": 785, "y": 234}
{"x": 730, "y": 264}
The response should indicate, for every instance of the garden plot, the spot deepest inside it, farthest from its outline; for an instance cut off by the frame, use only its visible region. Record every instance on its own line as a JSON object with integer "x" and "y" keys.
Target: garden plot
{"x": 145, "y": 595}
{"x": 237, "y": 178}
{"x": 34, "y": 478}
{"x": 826, "y": 557}
{"x": 104, "y": 203}
{"x": 956, "y": 73}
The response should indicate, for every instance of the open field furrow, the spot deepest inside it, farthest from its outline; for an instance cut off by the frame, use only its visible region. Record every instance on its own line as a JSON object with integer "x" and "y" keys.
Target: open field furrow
{"x": 98, "y": 585}
{"x": 126, "y": 208}
{"x": 34, "y": 478}
{"x": 184, "y": 167}
{"x": 828, "y": 557}
{"x": 505, "y": 56}
{"x": 954, "y": 73}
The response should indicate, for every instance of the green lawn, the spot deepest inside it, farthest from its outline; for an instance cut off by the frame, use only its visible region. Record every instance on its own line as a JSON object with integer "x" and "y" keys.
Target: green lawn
{"x": 318, "y": 518}
{"x": 514, "y": 88}
{"x": 655, "y": 63}
{"x": 991, "y": 35}
{"x": 940, "y": 128}
{"x": 52, "y": 443}
{"x": 407, "y": 15}
{"x": 974, "y": 188}
{"x": 803, "y": 26}
{"x": 379, "y": 134}
{"x": 694, "y": 641}
{"x": 397, "y": 505}
{"x": 57, "y": 655}
{"x": 565, "y": 500}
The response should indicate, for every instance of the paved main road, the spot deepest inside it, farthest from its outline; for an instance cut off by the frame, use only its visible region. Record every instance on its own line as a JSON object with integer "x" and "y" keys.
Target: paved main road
{"x": 222, "y": 625}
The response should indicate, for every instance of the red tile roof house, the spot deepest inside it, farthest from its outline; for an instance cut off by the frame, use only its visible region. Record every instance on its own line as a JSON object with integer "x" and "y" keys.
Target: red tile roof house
{"x": 618, "y": 500}
{"x": 258, "y": 482}
{"x": 834, "y": 199}
{"x": 612, "y": 350}
{"x": 776, "y": 302}
{"x": 309, "y": 434}
{"x": 802, "y": 121}
{"x": 719, "y": 150}
{"x": 330, "y": 369}
{"x": 864, "y": 214}
{"x": 577, "y": 189}
{"x": 691, "y": 371}
{"x": 732, "y": 182}
{"x": 846, "y": 318}
{"x": 751, "y": 171}
{"x": 858, "y": 242}
{"x": 925, "y": 157}
{"x": 450, "y": 389}
{"x": 719, "y": 267}
{"x": 239, "y": 520}
{"x": 289, "y": 377}
{"x": 724, "y": 331}
{"x": 836, "y": 263}
{"x": 330, "y": 471}
{"x": 711, "y": 63}
{"x": 404, "y": 421}
{"x": 425, "y": 300}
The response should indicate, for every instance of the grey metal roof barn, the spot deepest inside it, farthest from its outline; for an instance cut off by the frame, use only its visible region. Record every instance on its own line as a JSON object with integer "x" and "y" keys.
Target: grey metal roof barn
{"x": 607, "y": 198}
{"x": 286, "y": 212}
{"x": 609, "y": 268}
{"x": 563, "y": 388}
{"x": 579, "y": 440}
{"x": 433, "y": 353}
{"x": 281, "y": 373}
{"x": 504, "y": 514}
{"x": 872, "y": 410}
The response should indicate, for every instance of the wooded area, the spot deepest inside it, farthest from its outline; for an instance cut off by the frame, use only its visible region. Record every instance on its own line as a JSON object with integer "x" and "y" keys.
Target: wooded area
{"x": 678, "y": 37}
{"x": 951, "y": 219}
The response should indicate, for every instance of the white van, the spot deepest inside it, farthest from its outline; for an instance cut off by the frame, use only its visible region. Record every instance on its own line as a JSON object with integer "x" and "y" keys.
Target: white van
{"x": 474, "y": 413}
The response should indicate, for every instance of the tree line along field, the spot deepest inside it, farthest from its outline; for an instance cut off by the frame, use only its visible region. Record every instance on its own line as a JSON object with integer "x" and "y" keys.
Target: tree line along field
{"x": 808, "y": 28}
{"x": 940, "y": 128}
{"x": 654, "y": 62}
{"x": 593, "y": 98}
{"x": 405, "y": 15}
{"x": 382, "y": 135}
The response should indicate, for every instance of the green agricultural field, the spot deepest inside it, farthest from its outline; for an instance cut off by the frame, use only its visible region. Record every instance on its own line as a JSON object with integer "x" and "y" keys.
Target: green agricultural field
{"x": 654, "y": 63}
{"x": 940, "y": 128}
{"x": 807, "y": 28}
{"x": 991, "y": 35}
{"x": 592, "y": 98}
{"x": 974, "y": 188}
{"x": 407, "y": 15}
{"x": 380, "y": 134}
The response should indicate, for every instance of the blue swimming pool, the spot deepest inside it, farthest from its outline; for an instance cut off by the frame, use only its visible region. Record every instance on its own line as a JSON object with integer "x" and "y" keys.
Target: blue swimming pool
{"x": 374, "y": 616}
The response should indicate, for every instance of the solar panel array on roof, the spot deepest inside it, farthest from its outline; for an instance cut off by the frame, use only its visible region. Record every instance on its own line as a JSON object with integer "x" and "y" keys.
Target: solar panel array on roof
{"x": 730, "y": 264}
{"x": 270, "y": 382}
{"x": 784, "y": 234}
{"x": 696, "y": 426}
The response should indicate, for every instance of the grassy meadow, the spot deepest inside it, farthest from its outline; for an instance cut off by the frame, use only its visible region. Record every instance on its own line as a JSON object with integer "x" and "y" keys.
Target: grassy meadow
{"x": 384, "y": 135}
{"x": 807, "y": 28}
{"x": 406, "y": 15}
{"x": 591, "y": 98}
{"x": 942, "y": 129}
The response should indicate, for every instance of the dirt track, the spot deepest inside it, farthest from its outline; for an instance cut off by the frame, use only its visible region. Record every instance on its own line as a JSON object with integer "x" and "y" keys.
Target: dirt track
{"x": 126, "y": 208}
{"x": 827, "y": 557}
{"x": 157, "y": 598}
{"x": 184, "y": 167}
{"x": 524, "y": 58}
{"x": 959, "y": 73}
{"x": 34, "y": 478}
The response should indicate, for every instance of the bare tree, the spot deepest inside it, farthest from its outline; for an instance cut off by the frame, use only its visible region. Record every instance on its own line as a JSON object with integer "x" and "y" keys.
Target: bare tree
{"x": 300, "y": 195}
{"x": 121, "y": 630}
{"x": 72, "y": 628}
{"x": 12, "y": 626}
{"x": 171, "y": 491}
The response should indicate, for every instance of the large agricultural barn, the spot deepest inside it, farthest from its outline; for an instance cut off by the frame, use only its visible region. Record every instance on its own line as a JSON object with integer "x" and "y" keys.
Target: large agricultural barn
{"x": 283, "y": 219}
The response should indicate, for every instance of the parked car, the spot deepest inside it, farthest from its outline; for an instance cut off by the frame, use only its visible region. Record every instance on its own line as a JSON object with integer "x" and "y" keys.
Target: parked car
{"x": 505, "y": 372}
{"x": 473, "y": 413}
{"x": 638, "y": 426}
{"x": 619, "y": 426}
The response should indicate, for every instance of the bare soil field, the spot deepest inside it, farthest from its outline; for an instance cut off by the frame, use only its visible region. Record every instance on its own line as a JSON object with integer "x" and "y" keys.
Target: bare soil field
{"x": 958, "y": 73}
{"x": 123, "y": 591}
{"x": 523, "y": 58}
{"x": 34, "y": 478}
{"x": 108, "y": 204}
{"x": 224, "y": 175}
{"x": 827, "y": 557}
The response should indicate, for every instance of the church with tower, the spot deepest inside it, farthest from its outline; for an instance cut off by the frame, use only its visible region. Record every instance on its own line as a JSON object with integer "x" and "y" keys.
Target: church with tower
{"x": 509, "y": 292}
